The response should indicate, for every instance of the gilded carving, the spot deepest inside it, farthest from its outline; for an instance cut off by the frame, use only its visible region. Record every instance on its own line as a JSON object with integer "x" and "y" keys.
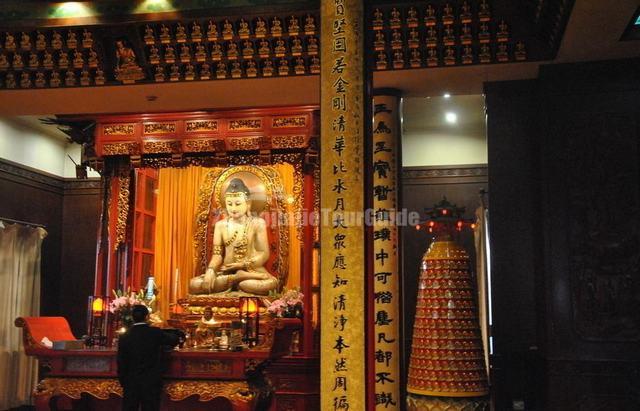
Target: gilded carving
{"x": 100, "y": 388}
{"x": 161, "y": 146}
{"x": 159, "y": 128}
{"x": 208, "y": 390}
{"x": 202, "y": 217}
{"x": 119, "y": 149}
{"x": 296, "y": 141}
{"x": 199, "y": 146}
{"x": 117, "y": 129}
{"x": 244, "y": 143}
{"x": 245, "y": 124}
{"x": 201, "y": 125}
{"x": 206, "y": 367}
{"x": 123, "y": 211}
{"x": 289, "y": 122}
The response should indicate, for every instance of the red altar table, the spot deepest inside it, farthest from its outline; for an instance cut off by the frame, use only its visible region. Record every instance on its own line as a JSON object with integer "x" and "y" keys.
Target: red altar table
{"x": 234, "y": 378}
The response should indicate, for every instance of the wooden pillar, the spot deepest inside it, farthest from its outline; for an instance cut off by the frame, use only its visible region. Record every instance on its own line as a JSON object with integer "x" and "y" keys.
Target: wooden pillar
{"x": 386, "y": 290}
{"x": 342, "y": 235}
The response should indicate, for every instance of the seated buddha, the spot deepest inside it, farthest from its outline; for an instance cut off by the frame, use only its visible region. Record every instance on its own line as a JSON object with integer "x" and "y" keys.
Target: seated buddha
{"x": 240, "y": 249}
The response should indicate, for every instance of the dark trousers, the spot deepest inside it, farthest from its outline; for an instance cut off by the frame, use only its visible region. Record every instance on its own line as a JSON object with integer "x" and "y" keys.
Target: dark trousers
{"x": 141, "y": 393}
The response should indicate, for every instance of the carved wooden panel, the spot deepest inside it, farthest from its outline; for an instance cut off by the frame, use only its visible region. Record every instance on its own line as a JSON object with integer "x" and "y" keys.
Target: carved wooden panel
{"x": 604, "y": 227}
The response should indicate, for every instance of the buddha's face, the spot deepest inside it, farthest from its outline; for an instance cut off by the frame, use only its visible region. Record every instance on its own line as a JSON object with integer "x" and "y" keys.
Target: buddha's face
{"x": 237, "y": 206}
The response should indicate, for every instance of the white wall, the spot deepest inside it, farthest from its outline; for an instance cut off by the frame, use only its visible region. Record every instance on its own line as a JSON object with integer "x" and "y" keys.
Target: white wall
{"x": 428, "y": 140}
{"x": 33, "y": 148}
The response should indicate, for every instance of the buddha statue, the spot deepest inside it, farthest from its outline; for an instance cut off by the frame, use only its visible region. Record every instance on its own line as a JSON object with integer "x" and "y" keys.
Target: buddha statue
{"x": 240, "y": 249}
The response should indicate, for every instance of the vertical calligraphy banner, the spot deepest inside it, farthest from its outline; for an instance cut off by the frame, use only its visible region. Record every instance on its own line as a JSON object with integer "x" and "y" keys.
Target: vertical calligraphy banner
{"x": 342, "y": 247}
{"x": 386, "y": 297}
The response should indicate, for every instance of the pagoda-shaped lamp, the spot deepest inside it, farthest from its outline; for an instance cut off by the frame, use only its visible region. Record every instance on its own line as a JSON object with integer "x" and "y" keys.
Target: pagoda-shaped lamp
{"x": 446, "y": 367}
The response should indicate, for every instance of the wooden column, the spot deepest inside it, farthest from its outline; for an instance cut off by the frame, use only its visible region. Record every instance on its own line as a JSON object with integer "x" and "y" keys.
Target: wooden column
{"x": 342, "y": 235}
{"x": 386, "y": 291}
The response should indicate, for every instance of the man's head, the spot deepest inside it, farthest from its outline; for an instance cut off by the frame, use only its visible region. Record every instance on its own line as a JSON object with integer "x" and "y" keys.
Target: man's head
{"x": 236, "y": 198}
{"x": 139, "y": 313}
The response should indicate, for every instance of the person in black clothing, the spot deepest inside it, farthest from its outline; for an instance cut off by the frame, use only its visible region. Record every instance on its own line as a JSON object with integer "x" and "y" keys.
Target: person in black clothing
{"x": 140, "y": 362}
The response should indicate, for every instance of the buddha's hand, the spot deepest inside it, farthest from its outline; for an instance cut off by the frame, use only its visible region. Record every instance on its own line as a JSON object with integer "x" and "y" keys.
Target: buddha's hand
{"x": 210, "y": 274}
{"x": 232, "y": 267}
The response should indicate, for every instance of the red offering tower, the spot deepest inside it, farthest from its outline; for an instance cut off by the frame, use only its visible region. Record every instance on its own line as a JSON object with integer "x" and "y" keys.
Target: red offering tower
{"x": 447, "y": 364}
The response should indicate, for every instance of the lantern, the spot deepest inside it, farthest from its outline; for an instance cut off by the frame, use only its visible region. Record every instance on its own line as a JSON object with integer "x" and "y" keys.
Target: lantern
{"x": 250, "y": 318}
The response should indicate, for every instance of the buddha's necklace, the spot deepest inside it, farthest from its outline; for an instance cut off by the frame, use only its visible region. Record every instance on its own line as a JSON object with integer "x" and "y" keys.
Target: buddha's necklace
{"x": 235, "y": 233}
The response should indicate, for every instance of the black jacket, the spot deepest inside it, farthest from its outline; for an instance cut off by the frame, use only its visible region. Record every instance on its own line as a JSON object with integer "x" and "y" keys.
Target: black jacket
{"x": 140, "y": 354}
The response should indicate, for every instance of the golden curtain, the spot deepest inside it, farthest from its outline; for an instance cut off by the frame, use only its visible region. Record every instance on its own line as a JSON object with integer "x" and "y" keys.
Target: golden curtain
{"x": 175, "y": 222}
{"x": 177, "y": 202}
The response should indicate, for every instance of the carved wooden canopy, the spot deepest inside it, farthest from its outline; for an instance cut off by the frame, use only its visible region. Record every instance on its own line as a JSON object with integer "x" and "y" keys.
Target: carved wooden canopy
{"x": 206, "y": 135}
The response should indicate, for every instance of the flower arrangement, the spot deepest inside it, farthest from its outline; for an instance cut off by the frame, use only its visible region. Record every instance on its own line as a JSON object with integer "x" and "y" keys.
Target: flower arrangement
{"x": 123, "y": 303}
{"x": 288, "y": 305}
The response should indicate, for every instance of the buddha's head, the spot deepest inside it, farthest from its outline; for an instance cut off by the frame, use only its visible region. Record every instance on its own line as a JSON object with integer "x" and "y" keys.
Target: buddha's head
{"x": 236, "y": 199}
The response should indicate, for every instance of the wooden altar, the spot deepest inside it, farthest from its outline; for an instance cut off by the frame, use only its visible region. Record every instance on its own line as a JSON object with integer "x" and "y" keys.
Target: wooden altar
{"x": 234, "y": 378}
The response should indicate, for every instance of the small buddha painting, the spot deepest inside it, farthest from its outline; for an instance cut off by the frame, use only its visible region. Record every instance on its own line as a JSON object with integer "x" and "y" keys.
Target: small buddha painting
{"x": 241, "y": 245}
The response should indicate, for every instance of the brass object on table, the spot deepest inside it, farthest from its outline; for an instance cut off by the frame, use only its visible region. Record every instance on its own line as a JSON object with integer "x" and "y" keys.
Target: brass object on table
{"x": 93, "y": 59}
{"x": 47, "y": 60}
{"x": 154, "y": 55}
{"x": 201, "y": 53}
{"x": 264, "y": 50}
{"x": 99, "y": 78}
{"x": 78, "y": 59}
{"x": 216, "y": 51}
{"x": 33, "y": 61}
{"x": 247, "y": 48}
{"x": 280, "y": 48}
{"x": 127, "y": 69}
{"x": 85, "y": 80}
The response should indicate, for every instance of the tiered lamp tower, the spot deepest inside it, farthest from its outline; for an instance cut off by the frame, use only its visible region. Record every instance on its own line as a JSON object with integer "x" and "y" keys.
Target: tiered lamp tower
{"x": 447, "y": 369}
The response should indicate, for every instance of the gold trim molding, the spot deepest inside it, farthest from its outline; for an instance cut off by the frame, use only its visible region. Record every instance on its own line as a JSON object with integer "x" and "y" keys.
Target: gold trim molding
{"x": 123, "y": 210}
{"x": 119, "y": 149}
{"x": 245, "y": 124}
{"x": 289, "y": 122}
{"x": 201, "y": 125}
{"x": 161, "y": 146}
{"x": 159, "y": 128}
{"x": 118, "y": 129}
{"x": 295, "y": 141}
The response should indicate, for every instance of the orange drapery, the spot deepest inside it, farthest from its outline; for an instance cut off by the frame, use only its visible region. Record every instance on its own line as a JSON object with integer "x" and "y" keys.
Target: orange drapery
{"x": 175, "y": 224}
{"x": 177, "y": 202}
